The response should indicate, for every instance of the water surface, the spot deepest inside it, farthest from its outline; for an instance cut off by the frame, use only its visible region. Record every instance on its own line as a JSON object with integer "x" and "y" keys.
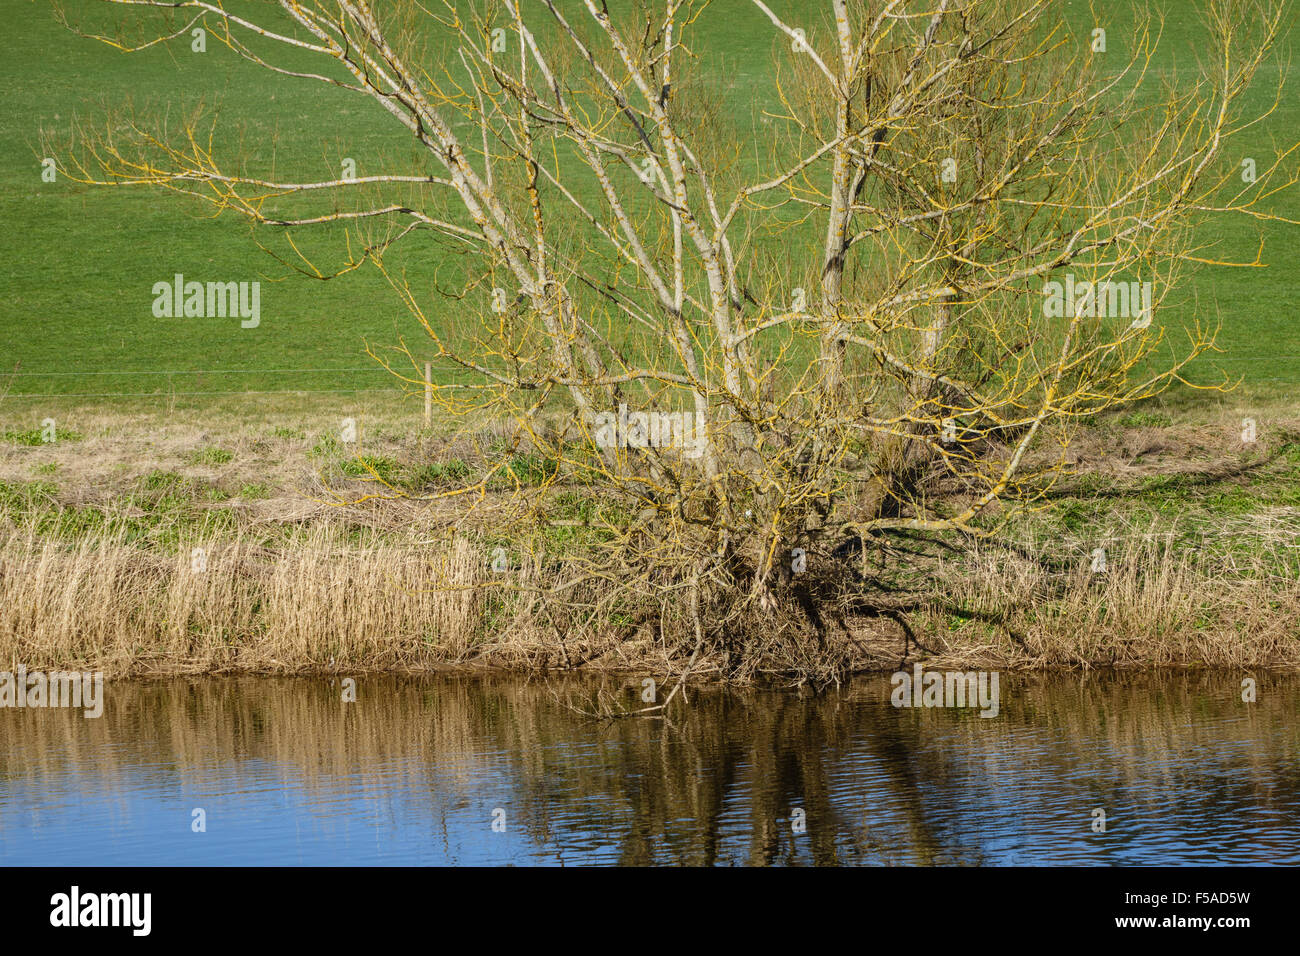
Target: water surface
{"x": 417, "y": 771}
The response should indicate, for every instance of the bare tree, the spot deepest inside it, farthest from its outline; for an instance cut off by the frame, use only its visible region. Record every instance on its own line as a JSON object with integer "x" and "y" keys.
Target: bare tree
{"x": 881, "y": 301}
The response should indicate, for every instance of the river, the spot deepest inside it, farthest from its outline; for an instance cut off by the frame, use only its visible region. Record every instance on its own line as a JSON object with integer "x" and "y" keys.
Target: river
{"x": 1162, "y": 768}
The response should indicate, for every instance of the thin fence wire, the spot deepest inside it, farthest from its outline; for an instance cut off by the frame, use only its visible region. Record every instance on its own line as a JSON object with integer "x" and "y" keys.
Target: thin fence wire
{"x": 375, "y": 368}
{"x": 232, "y": 391}
{"x": 11, "y": 377}
{"x": 167, "y": 392}
{"x": 200, "y": 371}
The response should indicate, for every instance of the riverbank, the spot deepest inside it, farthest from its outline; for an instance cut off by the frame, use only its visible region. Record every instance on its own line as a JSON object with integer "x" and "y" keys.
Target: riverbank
{"x": 219, "y": 539}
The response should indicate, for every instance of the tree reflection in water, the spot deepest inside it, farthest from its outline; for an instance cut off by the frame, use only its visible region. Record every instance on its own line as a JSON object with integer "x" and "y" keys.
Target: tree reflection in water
{"x": 413, "y": 771}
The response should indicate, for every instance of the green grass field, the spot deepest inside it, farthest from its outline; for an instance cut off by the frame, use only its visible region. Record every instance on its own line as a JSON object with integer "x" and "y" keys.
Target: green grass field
{"x": 80, "y": 262}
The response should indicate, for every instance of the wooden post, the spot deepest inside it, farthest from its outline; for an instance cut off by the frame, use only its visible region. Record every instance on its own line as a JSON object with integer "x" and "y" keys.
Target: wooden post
{"x": 428, "y": 394}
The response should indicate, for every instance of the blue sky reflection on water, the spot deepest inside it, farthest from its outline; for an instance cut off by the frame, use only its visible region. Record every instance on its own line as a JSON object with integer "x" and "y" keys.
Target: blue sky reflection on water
{"x": 418, "y": 770}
